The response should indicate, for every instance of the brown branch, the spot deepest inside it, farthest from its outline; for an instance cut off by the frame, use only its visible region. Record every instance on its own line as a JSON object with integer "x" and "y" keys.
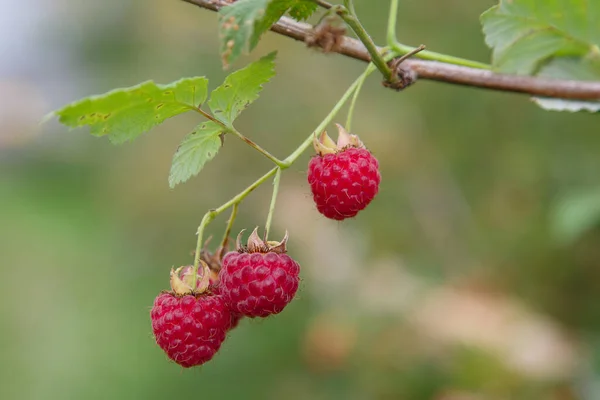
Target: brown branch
{"x": 443, "y": 72}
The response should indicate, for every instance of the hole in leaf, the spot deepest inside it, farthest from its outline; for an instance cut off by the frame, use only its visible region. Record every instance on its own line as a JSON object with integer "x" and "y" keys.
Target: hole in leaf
{"x": 159, "y": 106}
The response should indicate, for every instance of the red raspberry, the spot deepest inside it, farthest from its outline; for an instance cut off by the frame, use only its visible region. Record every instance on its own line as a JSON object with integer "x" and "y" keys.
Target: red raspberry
{"x": 190, "y": 324}
{"x": 260, "y": 279}
{"x": 343, "y": 177}
{"x": 235, "y": 317}
{"x": 190, "y": 329}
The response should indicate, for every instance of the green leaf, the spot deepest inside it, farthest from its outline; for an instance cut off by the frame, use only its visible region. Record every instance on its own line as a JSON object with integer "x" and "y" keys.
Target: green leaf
{"x": 303, "y": 9}
{"x": 242, "y": 23}
{"x": 123, "y": 114}
{"x": 526, "y": 33}
{"x": 570, "y": 68}
{"x": 575, "y": 214}
{"x": 555, "y": 39}
{"x": 194, "y": 151}
{"x": 240, "y": 89}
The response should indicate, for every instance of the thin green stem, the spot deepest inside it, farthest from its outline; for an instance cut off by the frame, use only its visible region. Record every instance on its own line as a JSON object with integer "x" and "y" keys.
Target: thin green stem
{"x": 349, "y": 16}
{"x": 208, "y": 217}
{"x": 402, "y": 49}
{"x": 433, "y": 56}
{"x": 273, "y": 201}
{"x": 234, "y": 211}
{"x": 255, "y": 146}
{"x": 212, "y": 214}
{"x": 231, "y": 129}
{"x": 361, "y": 81}
{"x": 391, "y": 28}
{"x": 338, "y": 106}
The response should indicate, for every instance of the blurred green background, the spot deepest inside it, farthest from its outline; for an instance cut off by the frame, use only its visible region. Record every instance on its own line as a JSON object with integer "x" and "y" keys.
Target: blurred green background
{"x": 475, "y": 274}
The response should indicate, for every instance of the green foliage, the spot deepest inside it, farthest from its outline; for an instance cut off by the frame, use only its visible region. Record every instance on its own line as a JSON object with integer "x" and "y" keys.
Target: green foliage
{"x": 303, "y": 9}
{"x": 526, "y": 33}
{"x": 194, "y": 151}
{"x": 240, "y": 89}
{"x": 242, "y": 23}
{"x": 575, "y": 214}
{"x": 124, "y": 114}
{"x": 553, "y": 39}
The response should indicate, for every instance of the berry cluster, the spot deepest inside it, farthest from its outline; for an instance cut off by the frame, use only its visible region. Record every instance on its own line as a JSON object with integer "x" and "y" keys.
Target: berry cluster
{"x": 258, "y": 279}
{"x": 191, "y": 321}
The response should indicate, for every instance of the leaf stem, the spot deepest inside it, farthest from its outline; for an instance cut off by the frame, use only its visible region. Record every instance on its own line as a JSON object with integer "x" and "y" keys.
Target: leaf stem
{"x": 231, "y": 129}
{"x": 276, "y": 181}
{"x": 256, "y": 147}
{"x": 348, "y": 14}
{"x": 433, "y": 56}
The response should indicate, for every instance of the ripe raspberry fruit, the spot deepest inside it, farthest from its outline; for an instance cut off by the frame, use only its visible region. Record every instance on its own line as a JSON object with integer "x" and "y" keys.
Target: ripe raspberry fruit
{"x": 343, "y": 177}
{"x": 189, "y": 325}
{"x": 259, "y": 279}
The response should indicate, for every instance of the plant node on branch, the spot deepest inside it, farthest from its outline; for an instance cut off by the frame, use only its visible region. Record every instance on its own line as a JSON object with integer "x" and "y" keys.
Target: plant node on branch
{"x": 327, "y": 35}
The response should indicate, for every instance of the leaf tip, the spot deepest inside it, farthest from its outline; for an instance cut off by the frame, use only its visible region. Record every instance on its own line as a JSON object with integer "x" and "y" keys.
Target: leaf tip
{"x": 48, "y": 117}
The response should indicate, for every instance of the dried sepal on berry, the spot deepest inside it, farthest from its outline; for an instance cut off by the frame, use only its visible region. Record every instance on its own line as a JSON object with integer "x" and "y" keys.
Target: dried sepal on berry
{"x": 257, "y": 245}
{"x": 182, "y": 279}
{"x": 325, "y": 145}
{"x": 214, "y": 260}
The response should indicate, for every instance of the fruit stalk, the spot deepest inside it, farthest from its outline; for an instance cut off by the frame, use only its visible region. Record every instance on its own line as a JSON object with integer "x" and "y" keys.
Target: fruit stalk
{"x": 273, "y": 201}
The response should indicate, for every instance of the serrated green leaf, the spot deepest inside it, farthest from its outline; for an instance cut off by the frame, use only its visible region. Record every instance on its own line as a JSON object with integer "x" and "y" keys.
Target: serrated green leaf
{"x": 303, "y": 9}
{"x": 575, "y": 214}
{"x": 242, "y": 23}
{"x": 555, "y": 39}
{"x": 195, "y": 150}
{"x": 240, "y": 89}
{"x": 526, "y": 33}
{"x": 570, "y": 68}
{"x": 123, "y": 114}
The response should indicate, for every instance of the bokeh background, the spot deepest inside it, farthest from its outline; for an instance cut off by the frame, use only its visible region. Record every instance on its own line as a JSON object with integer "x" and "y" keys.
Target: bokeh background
{"x": 475, "y": 274}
